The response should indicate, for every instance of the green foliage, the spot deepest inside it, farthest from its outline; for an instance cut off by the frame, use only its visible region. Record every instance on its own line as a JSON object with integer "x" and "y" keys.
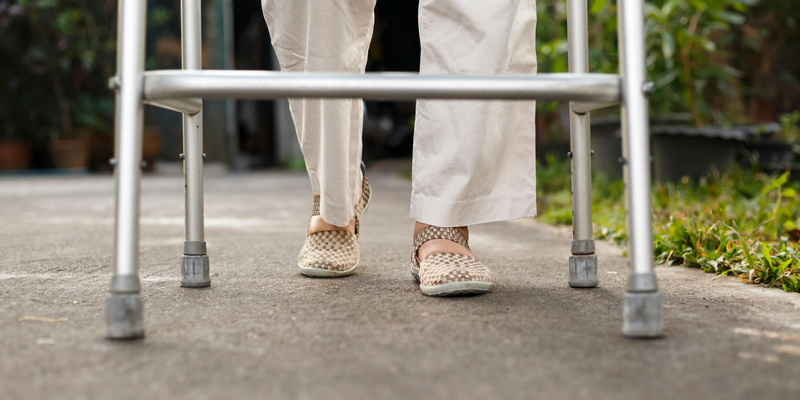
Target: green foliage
{"x": 744, "y": 223}
{"x": 789, "y": 128}
{"x": 686, "y": 56}
{"x": 551, "y": 38}
{"x": 58, "y": 56}
{"x": 555, "y": 200}
{"x": 685, "y": 44}
{"x": 92, "y": 111}
{"x": 159, "y": 16}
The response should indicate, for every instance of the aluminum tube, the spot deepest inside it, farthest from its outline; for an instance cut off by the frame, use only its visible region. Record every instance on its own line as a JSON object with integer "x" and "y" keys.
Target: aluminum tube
{"x": 185, "y": 106}
{"x": 636, "y": 134}
{"x": 191, "y": 38}
{"x": 191, "y": 42}
{"x": 578, "y": 36}
{"x": 580, "y": 144}
{"x": 583, "y": 107}
{"x": 263, "y": 85}
{"x": 129, "y": 124}
{"x": 580, "y": 138}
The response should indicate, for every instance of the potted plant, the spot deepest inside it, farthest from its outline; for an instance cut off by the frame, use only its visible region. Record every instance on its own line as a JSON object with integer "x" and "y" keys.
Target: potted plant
{"x": 15, "y": 148}
{"x": 59, "y": 54}
{"x": 775, "y": 145}
{"x": 766, "y": 43}
{"x": 91, "y": 139}
{"x": 692, "y": 73}
{"x": 15, "y": 152}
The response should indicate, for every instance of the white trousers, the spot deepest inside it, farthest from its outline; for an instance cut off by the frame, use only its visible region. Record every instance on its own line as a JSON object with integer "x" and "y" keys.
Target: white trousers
{"x": 474, "y": 161}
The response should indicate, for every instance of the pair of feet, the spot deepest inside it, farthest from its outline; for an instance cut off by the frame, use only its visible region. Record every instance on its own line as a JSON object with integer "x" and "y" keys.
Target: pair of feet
{"x": 441, "y": 259}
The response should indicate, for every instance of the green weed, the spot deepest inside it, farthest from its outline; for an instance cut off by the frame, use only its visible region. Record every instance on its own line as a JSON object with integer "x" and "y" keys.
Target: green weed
{"x": 744, "y": 223}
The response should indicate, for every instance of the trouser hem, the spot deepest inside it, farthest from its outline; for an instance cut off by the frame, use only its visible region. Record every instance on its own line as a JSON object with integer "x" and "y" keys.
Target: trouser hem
{"x": 438, "y": 212}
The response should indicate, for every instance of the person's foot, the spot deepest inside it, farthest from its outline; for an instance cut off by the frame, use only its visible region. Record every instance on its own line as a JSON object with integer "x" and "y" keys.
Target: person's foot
{"x": 331, "y": 251}
{"x": 443, "y": 263}
{"x": 436, "y": 246}
{"x": 317, "y": 224}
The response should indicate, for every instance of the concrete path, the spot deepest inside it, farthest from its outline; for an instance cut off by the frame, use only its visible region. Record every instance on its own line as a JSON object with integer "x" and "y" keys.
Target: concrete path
{"x": 264, "y": 331}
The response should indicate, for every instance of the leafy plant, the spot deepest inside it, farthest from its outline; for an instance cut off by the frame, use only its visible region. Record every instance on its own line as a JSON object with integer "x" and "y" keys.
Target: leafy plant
{"x": 551, "y": 38}
{"x": 58, "y": 56}
{"x": 685, "y": 44}
{"x": 686, "y": 55}
{"x": 744, "y": 223}
{"x": 789, "y": 130}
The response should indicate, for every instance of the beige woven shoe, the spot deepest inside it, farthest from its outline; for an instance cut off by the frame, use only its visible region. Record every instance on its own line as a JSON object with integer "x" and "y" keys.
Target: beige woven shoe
{"x": 333, "y": 254}
{"x": 447, "y": 274}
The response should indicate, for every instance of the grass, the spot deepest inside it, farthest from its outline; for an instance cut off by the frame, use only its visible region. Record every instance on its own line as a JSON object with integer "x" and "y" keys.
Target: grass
{"x": 743, "y": 223}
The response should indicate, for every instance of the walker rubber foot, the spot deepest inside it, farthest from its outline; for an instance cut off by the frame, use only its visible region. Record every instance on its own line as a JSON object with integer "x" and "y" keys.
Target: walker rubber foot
{"x": 125, "y": 316}
{"x": 194, "y": 271}
{"x": 583, "y": 271}
{"x": 642, "y": 315}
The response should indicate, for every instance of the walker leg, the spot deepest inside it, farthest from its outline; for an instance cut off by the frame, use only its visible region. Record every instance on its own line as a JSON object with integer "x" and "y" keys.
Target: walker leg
{"x": 582, "y": 260}
{"x": 194, "y": 263}
{"x": 642, "y": 309}
{"x": 124, "y": 305}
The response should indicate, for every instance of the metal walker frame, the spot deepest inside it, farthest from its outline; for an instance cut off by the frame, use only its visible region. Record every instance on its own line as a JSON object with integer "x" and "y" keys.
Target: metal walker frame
{"x": 183, "y": 91}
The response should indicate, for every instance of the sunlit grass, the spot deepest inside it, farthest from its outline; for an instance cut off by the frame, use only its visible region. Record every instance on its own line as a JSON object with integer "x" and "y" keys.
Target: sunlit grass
{"x": 742, "y": 223}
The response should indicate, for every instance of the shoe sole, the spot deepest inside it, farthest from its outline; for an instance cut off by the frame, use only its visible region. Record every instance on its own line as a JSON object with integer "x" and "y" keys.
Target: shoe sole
{"x": 326, "y": 273}
{"x": 453, "y": 288}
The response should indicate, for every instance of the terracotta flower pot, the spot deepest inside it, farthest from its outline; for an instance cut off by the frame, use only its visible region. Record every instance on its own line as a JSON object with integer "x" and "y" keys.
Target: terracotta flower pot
{"x": 151, "y": 147}
{"x": 101, "y": 150}
{"x": 15, "y": 154}
{"x": 70, "y": 153}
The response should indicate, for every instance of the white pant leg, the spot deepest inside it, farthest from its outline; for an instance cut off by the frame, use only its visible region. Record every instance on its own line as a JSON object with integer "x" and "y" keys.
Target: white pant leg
{"x": 326, "y": 36}
{"x": 475, "y": 161}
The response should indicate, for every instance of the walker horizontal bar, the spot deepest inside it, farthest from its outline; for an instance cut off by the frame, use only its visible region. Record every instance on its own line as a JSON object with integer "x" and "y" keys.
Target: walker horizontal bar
{"x": 583, "y": 107}
{"x": 190, "y": 106}
{"x": 261, "y": 85}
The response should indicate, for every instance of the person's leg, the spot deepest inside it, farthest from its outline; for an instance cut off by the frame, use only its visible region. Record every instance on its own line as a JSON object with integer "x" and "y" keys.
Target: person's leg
{"x": 327, "y": 36}
{"x": 474, "y": 161}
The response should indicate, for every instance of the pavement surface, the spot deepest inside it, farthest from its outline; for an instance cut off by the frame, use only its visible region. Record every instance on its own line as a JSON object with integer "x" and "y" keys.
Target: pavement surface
{"x": 264, "y": 331}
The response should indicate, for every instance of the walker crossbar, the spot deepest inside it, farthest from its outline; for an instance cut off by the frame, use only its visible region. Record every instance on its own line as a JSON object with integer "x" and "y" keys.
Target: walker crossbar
{"x": 583, "y": 107}
{"x": 261, "y": 85}
{"x": 182, "y": 91}
{"x": 188, "y": 106}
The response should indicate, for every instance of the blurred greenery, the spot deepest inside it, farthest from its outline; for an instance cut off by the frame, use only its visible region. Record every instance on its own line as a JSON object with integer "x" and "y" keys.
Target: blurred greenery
{"x": 768, "y": 46}
{"x": 693, "y": 51}
{"x": 60, "y": 54}
{"x": 723, "y": 61}
{"x": 687, "y": 59}
{"x": 57, "y": 58}
{"x": 743, "y": 223}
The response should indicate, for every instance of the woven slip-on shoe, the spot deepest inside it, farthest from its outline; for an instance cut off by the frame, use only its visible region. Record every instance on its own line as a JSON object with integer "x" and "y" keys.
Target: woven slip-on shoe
{"x": 448, "y": 274}
{"x": 333, "y": 254}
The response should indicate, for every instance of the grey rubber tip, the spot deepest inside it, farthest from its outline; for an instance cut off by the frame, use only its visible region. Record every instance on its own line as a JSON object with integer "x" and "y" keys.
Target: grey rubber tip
{"x": 124, "y": 316}
{"x": 642, "y": 315}
{"x": 583, "y": 271}
{"x": 194, "y": 271}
